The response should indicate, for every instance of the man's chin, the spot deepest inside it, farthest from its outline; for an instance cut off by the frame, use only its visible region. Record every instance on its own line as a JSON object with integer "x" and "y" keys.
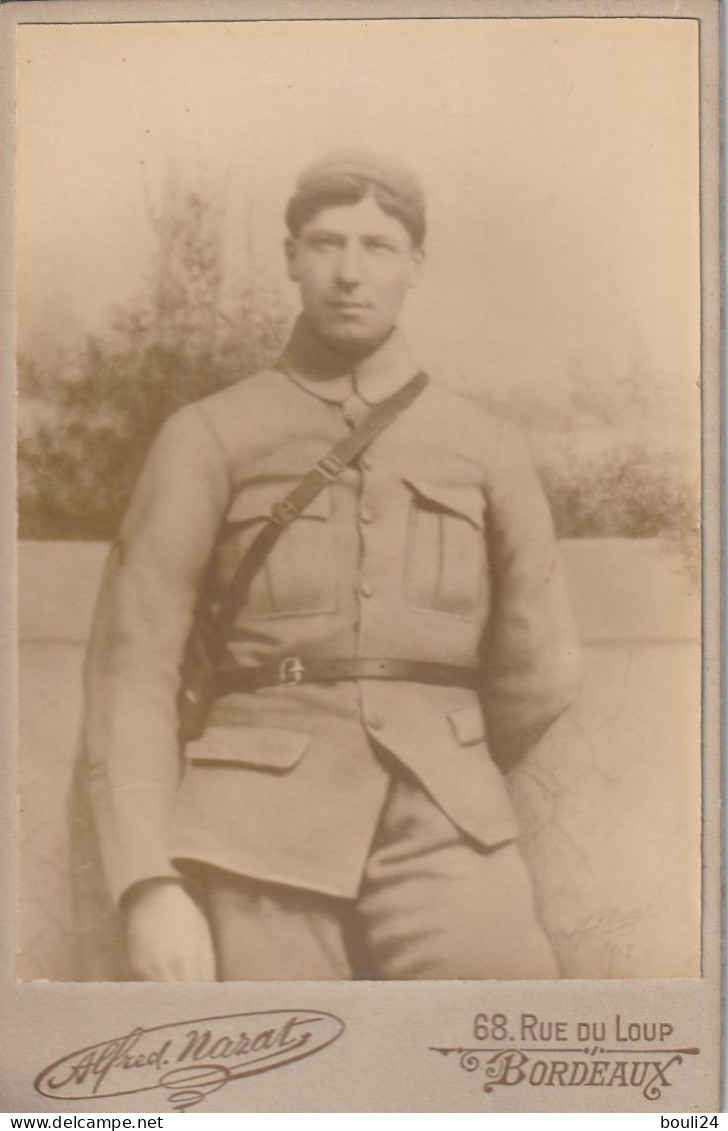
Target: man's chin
{"x": 353, "y": 339}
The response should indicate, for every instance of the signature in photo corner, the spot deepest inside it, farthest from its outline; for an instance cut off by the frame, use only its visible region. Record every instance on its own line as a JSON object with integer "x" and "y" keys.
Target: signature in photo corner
{"x": 190, "y": 1059}
{"x": 613, "y": 931}
{"x": 613, "y": 924}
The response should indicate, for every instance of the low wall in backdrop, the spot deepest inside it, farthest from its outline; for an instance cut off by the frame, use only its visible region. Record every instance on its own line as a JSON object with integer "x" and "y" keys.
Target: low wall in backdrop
{"x": 609, "y": 802}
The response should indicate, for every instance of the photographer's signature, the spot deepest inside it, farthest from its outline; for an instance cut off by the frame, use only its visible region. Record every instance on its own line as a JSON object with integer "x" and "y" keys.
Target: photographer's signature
{"x": 190, "y": 1059}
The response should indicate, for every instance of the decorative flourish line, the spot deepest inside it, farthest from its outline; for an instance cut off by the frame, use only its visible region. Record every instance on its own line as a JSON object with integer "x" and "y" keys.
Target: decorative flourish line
{"x": 657, "y": 1048}
{"x": 589, "y": 1051}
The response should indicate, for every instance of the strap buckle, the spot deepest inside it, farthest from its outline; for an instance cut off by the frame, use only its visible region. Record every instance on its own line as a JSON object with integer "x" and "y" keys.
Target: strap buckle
{"x": 290, "y": 671}
{"x": 283, "y": 512}
{"x": 330, "y": 466}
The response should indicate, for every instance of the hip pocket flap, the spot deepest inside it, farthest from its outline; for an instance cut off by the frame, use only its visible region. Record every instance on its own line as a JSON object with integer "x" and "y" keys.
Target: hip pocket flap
{"x": 468, "y": 724}
{"x": 265, "y": 748}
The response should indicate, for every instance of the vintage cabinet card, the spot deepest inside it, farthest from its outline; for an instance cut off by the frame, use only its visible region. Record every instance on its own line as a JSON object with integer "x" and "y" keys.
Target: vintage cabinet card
{"x": 367, "y": 403}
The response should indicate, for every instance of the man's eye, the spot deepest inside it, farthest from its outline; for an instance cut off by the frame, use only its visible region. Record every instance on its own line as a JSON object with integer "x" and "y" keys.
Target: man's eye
{"x": 379, "y": 246}
{"x": 324, "y": 242}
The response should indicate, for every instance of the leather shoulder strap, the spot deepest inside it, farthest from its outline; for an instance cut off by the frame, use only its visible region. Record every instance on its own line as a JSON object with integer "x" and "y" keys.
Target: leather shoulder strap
{"x": 325, "y": 471}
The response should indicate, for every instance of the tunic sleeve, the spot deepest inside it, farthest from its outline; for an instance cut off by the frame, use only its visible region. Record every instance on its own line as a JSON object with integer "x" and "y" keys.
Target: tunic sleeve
{"x": 142, "y": 620}
{"x": 530, "y": 652}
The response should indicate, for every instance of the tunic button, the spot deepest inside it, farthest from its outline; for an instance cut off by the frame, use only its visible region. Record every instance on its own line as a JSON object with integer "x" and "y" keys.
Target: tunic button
{"x": 366, "y": 588}
{"x": 366, "y": 461}
{"x": 375, "y": 722}
{"x": 366, "y": 514}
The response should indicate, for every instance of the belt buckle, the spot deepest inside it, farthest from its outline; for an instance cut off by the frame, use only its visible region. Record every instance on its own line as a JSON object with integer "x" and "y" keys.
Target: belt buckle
{"x": 290, "y": 671}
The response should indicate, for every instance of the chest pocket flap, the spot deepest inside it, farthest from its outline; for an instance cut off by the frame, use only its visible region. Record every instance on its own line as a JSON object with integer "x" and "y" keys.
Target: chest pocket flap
{"x": 446, "y": 561}
{"x": 256, "y": 501}
{"x": 467, "y": 502}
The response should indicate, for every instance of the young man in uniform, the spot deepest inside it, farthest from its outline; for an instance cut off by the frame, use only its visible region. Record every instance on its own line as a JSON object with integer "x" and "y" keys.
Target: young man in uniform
{"x": 339, "y": 812}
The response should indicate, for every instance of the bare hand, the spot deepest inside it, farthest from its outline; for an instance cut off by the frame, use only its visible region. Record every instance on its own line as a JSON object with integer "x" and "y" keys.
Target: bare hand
{"x": 168, "y": 937}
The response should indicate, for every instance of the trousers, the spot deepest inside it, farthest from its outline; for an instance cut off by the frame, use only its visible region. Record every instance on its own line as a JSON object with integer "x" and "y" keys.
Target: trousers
{"x": 432, "y": 905}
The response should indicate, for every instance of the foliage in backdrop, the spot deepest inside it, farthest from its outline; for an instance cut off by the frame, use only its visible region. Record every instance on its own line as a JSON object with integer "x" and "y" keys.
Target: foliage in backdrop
{"x": 90, "y": 422}
{"x": 90, "y": 417}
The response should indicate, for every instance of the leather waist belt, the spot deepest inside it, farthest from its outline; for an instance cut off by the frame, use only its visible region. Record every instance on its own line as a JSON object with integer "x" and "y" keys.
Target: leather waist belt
{"x": 294, "y": 670}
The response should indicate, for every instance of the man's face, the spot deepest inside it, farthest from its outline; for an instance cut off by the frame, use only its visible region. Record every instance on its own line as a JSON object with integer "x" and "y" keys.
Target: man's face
{"x": 354, "y": 265}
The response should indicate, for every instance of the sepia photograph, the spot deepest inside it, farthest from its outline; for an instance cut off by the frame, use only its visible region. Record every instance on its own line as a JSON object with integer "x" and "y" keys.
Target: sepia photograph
{"x": 360, "y": 565}
{"x": 336, "y": 665}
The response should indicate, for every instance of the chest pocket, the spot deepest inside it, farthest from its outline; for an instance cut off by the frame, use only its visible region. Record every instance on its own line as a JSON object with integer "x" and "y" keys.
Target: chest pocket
{"x": 298, "y": 577}
{"x": 446, "y": 561}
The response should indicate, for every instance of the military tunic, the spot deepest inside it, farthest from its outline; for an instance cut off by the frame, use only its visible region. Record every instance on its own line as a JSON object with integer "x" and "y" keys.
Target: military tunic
{"x": 437, "y": 545}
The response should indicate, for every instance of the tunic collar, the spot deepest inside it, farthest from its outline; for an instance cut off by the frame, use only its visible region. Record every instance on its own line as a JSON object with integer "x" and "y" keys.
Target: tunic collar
{"x": 334, "y": 377}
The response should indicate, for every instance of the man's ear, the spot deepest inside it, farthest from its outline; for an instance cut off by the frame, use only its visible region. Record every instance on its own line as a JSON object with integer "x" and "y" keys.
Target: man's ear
{"x": 290, "y": 246}
{"x": 417, "y": 265}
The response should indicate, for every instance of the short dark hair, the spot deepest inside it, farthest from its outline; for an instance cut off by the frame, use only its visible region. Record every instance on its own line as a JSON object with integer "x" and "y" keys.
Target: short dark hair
{"x": 348, "y": 188}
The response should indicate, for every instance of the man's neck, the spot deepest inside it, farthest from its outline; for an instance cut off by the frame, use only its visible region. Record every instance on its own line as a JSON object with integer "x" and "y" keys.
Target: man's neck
{"x": 333, "y": 375}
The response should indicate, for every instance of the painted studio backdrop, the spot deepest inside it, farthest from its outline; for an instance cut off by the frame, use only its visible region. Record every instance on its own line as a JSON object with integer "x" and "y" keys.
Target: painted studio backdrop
{"x": 559, "y": 159}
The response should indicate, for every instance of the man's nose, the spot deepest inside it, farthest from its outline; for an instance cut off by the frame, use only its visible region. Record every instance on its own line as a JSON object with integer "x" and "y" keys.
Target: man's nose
{"x": 349, "y": 266}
